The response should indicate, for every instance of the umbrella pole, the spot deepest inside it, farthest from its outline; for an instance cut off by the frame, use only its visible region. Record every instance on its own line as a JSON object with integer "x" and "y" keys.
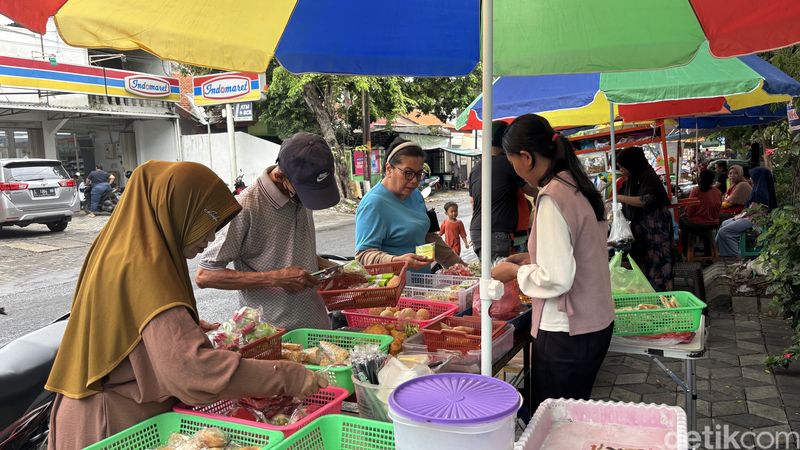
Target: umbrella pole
{"x": 613, "y": 158}
{"x": 486, "y": 187}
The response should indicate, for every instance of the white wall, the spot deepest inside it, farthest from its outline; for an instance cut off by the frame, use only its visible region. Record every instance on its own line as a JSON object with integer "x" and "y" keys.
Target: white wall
{"x": 253, "y": 154}
{"x": 155, "y": 139}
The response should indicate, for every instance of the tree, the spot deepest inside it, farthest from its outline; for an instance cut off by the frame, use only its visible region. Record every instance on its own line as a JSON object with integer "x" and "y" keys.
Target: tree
{"x": 324, "y": 104}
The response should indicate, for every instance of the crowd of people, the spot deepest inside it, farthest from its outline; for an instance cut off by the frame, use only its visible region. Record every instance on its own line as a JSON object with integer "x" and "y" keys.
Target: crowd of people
{"x": 113, "y": 369}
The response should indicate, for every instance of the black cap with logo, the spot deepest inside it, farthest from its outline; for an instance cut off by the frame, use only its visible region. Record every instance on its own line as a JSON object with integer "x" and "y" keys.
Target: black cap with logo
{"x": 307, "y": 160}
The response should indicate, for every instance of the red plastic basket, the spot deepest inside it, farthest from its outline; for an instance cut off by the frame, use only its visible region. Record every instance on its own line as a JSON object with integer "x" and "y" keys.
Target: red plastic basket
{"x": 265, "y": 348}
{"x": 368, "y": 297}
{"x": 361, "y": 318}
{"x": 438, "y": 339}
{"x": 328, "y": 399}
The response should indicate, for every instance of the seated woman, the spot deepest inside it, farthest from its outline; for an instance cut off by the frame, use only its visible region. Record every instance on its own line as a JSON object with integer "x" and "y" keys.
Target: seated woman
{"x": 737, "y": 194}
{"x": 704, "y": 216}
{"x": 391, "y": 220}
{"x": 763, "y": 195}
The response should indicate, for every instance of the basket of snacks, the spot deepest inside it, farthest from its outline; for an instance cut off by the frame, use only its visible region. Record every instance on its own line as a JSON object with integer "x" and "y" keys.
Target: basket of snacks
{"x": 356, "y": 286}
{"x": 281, "y": 413}
{"x": 329, "y": 350}
{"x": 337, "y": 432}
{"x": 657, "y": 313}
{"x": 247, "y": 334}
{"x": 175, "y": 431}
{"x": 442, "y": 287}
{"x": 458, "y": 333}
{"x": 408, "y": 310}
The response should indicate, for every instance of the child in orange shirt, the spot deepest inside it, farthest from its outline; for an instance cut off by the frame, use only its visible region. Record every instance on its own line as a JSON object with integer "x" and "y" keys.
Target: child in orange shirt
{"x": 453, "y": 229}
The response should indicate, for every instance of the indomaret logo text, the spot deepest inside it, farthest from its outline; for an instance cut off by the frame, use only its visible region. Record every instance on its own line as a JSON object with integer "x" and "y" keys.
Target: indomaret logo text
{"x": 226, "y": 87}
{"x": 147, "y": 86}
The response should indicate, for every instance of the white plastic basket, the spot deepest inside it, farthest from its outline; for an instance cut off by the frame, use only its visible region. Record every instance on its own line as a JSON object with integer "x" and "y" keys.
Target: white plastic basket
{"x": 432, "y": 286}
{"x": 576, "y": 424}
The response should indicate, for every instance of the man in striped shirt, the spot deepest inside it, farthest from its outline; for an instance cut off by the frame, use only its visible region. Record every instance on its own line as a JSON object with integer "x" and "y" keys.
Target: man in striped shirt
{"x": 272, "y": 242}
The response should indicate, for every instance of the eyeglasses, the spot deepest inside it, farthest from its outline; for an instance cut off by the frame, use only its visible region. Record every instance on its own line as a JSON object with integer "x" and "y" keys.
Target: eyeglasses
{"x": 410, "y": 174}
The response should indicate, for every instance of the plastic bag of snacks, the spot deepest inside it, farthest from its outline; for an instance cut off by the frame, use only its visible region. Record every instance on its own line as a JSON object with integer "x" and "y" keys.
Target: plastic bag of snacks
{"x": 205, "y": 438}
{"x": 245, "y": 327}
{"x": 506, "y": 308}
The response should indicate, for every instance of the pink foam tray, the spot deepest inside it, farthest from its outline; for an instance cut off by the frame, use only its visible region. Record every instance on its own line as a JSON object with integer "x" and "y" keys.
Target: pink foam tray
{"x": 597, "y": 425}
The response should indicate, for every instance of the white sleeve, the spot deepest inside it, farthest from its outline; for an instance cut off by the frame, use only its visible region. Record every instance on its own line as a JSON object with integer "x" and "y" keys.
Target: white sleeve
{"x": 554, "y": 271}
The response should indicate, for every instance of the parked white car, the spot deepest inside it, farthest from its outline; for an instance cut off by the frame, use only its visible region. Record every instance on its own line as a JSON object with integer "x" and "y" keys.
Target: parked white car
{"x": 36, "y": 191}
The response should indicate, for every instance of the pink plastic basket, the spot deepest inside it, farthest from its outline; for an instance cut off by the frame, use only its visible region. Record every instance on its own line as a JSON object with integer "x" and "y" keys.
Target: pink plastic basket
{"x": 329, "y": 399}
{"x": 577, "y": 424}
{"x": 361, "y": 318}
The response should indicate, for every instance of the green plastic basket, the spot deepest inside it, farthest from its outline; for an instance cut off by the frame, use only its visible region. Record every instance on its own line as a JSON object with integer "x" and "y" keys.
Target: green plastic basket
{"x": 155, "y": 431}
{"x": 339, "y": 376}
{"x": 657, "y": 321}
{"x": 339, "y": 432}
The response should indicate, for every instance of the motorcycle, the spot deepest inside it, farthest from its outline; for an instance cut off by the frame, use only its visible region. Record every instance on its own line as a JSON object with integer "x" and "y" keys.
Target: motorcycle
{"x": 25, "y": 405}
{"x": 108, "y": 201}
{"x": 238, "y": 185}
{"x": 427, "y": 186}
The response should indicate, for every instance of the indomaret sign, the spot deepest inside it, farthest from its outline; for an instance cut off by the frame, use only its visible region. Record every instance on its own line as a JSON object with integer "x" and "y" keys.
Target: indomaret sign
{"x": 229, "y": 87}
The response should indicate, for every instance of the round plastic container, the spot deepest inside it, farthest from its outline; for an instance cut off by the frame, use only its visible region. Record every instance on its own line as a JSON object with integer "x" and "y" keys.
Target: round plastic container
{"x": 456, "y": 411}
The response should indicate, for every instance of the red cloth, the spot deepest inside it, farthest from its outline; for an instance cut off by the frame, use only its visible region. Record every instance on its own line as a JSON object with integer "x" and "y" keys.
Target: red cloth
{"x": 707, "y": 212}
{"x": 453, "y": 232}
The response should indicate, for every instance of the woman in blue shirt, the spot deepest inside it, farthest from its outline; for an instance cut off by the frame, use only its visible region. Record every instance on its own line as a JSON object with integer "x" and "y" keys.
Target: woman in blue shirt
{"x": 391, "y": 220}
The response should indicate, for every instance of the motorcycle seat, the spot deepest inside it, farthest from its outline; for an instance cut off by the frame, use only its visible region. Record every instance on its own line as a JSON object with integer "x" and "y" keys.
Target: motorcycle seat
{"x": 25, "y": 364}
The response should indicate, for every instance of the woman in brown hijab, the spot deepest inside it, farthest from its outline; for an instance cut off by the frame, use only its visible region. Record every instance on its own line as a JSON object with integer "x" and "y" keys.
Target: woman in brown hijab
{"x": 133, "y": 345}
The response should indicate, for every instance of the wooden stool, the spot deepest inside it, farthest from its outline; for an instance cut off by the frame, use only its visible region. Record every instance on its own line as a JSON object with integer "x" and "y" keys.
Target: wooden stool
{"x": 711, "y": 253}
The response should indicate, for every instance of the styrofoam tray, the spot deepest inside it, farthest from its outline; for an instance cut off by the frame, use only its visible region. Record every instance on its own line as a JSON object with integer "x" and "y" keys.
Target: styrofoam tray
{"x": 565, "y": 424}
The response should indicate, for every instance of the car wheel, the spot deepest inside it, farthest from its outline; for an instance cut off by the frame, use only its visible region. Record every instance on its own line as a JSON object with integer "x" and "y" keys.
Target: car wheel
{"x": 58, "y": 226}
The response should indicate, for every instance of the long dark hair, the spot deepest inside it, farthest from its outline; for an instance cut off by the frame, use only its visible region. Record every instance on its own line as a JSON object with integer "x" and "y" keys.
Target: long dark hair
{"x": 705, "y": 180}
{"x": 534, "y": 134}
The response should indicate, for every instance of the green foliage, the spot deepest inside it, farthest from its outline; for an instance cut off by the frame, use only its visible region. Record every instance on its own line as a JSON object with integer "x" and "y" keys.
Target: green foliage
{"x": 780, "y": 243}
{"x": 444, "y": 97}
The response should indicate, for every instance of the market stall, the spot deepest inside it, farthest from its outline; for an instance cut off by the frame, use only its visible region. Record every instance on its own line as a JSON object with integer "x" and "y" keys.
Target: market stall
{"x": 256, "y": 30}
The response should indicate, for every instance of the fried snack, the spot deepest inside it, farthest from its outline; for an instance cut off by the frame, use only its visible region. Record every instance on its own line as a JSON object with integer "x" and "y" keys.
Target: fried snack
{"x": 673, "y": 302}
{"x": 376, "y": 328}
{"x": 643, "y": 306}
{"x": 292, "y": 355}
{"x": 334, "y": 352}
{"x": 211, "y": 437}
{"x": 291, "y": 346}
{"x": 463, "y": 329}
{"x": 393, "y": 282}
{"x": 312, "y": 355}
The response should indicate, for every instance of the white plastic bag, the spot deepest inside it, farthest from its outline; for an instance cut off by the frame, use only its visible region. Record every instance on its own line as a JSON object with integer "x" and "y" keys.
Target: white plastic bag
{"x": 620, "y": 233}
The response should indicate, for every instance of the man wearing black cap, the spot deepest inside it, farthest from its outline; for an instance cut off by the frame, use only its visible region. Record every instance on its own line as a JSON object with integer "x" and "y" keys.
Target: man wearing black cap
{"x": 505, "y": 184}
{"x": 272, "y": 243}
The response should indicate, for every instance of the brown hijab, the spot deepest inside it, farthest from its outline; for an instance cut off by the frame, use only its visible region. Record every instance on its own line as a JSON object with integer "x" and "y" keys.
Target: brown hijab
{"x": 136, "y": 269}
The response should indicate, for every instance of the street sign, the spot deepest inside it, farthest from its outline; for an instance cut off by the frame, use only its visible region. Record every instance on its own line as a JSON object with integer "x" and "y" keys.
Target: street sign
{"x": 243, "y": 112}
{"x": 229, "y": 87}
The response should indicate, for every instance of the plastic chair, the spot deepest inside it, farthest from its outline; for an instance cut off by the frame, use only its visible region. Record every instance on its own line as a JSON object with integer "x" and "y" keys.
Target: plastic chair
{"x": 747, "y": 245}
{"x": 707, "y": 237}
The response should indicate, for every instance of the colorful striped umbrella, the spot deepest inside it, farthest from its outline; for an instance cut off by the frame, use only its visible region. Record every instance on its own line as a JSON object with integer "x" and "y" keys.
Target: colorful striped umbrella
{"x": 419, "y": 37}
{"x": 706, "y": 85}
{"x": 757, "y": 115}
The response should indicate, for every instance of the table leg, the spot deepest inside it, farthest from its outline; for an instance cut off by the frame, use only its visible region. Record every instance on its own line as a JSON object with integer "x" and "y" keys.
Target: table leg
{"x": 691, "y": 393}
{"x": 526, "y": 362}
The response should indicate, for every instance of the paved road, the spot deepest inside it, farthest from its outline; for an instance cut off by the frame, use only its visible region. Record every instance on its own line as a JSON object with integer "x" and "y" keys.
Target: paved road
{"x": 38, "y": 269}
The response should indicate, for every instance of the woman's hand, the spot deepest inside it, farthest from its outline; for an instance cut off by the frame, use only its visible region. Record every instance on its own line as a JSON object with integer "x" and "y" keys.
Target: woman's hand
{"x": 208, "y": 326}
{"x": 313, "y": 382}
{"x": 505, "y": 271}
{"x": 414, "y": 261}
{"x": 520, "y": 259}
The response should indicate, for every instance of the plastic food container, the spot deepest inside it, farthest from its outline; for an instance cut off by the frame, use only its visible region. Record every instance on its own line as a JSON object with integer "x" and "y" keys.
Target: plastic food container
{"x": 328, "y": 400}
{"x": 155, "y": 431}
{"x": 454, "y": 411}
{"x": 561, "y": 424}
{"x": 442, "y": 288}
{"x": 361, "y": 318}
